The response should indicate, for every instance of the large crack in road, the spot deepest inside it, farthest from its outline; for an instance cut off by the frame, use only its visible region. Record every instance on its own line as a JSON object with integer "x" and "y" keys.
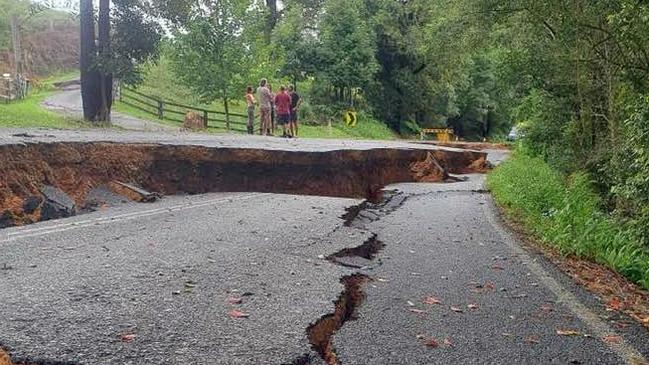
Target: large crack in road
{"x": 346, "y": 306}
{"x": 75, "y": 170}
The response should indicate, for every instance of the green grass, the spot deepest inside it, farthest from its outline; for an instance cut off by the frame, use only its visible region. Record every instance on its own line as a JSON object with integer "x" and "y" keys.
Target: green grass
{"x": 367, "y": 128}
{"x": 159, "y": 82}
{"x": 29, "y": 113}
{"x": 60, "y": 77}
{"x": 565, "y": 213}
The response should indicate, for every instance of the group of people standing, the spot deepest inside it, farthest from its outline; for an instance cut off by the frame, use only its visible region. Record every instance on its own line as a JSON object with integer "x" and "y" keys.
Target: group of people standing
{"x": 279, "y": 109}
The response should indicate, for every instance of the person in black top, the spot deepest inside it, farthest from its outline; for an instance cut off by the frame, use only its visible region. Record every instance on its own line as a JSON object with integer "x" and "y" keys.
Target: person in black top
{"x": 296, "y": 101}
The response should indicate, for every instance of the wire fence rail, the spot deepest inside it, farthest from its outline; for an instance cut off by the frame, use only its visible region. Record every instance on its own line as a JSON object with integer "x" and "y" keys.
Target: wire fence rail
{"x": 176, "y": 112}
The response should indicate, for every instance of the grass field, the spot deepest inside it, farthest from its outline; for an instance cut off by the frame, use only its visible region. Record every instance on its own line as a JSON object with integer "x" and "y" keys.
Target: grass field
{"x": 564, "y": 212}
{"x": 29, "y": 113}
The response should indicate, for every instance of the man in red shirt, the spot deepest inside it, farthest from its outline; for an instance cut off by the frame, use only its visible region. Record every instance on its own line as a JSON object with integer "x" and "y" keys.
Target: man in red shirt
{"x": 283, "y": 106}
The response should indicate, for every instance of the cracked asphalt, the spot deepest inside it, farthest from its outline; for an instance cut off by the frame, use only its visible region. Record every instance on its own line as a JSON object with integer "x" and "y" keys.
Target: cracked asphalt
{"x": 151, "y": 284}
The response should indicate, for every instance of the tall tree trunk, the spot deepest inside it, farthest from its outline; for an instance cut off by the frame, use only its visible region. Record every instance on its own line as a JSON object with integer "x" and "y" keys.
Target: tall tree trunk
{"x": 106, "y": 78}
{"x": 15, "y": 38}
{"x": 88, "y": 51}
{"x": 273, "y": 17}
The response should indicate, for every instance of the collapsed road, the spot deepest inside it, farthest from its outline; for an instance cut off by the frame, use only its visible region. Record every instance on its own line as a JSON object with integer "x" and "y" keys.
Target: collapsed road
{"x": 377, "y": 261}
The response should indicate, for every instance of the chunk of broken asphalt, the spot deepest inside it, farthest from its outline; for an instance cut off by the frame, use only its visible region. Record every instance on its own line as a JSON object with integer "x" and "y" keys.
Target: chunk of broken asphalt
{"x": 31, "y": 204}
{"x": 57, "y": 204}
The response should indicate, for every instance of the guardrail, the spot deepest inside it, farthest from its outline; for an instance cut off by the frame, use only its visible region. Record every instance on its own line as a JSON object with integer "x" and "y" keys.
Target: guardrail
{"x": 168, "y": 110}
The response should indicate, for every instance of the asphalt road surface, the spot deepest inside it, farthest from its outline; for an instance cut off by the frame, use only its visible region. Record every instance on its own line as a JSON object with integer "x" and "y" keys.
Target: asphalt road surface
{"x": 157, "y": 284}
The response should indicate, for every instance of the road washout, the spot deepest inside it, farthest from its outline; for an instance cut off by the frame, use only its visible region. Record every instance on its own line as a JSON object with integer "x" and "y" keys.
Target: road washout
{"x": 78, "y": 169}
{"x": 75, "y": 170}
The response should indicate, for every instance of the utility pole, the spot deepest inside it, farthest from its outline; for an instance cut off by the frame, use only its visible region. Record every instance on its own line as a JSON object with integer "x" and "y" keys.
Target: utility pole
{"x": 15, "y": 37}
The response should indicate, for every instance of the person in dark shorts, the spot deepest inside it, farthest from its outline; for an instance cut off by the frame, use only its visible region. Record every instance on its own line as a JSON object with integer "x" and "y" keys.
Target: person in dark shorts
{"x": 296, "y": 101}
{"x": 283, "y": 106}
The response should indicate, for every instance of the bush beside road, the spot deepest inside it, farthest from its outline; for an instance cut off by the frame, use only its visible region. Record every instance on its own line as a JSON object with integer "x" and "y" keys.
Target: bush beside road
{"x": 564, "y": 213}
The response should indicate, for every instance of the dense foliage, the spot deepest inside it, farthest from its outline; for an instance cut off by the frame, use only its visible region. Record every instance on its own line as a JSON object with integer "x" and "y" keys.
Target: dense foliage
{"x": 572, "y": 74}
{"x": 567, "y": 215}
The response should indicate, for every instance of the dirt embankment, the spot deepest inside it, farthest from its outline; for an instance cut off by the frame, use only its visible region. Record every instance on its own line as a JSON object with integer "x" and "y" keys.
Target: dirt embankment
{"x": 77, "y": 168}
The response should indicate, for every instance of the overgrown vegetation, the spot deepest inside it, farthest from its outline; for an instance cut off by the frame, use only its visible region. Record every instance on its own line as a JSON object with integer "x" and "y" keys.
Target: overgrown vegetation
{"x": 566, "y": 213}
{"x": 579, "y": 73}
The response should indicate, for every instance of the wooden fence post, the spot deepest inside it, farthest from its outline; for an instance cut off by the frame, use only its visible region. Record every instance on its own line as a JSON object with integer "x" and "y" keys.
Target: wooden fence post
{"x": 227, "y": 113}
{"x": 205, "y": 117}
{"x": 160, "y": 109}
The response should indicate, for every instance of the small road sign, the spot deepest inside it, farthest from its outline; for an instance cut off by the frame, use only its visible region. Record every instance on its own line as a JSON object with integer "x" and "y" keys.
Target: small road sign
{"x": 350, "y": 118}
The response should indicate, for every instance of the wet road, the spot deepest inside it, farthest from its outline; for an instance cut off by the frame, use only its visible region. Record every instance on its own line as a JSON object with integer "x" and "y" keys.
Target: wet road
{"x": 157, "y": 284}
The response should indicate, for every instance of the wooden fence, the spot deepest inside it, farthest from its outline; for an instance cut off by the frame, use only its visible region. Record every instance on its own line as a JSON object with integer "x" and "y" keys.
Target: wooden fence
{"x": 168, "y": 110}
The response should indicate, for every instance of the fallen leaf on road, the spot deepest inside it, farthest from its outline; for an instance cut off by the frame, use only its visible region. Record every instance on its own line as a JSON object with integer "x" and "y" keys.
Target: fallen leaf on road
{"x": 417, "y": 311}
{"x": 532, "y": 339}
{"x": 128, "y": 338}
{"x": 519, "y": 296}
{"x": 411, "y": 304}
{"x": 238, "y": 314}
{"x": 432, "y": 301}
{"x": 498, "y": 268}
{"x": 381, "y": 280}
{"x": 472, "y": 306}
{"x": 612, "y": 339}
{"x": 431, "y": 342}
{"x": 457, "y": 309}
{"x": 448, "y": 342}
{"x": 614, "y": 305}
{"x": 483, "y": 288}
{"x": 567, "y": 333}
{"x": 235, "y": 300}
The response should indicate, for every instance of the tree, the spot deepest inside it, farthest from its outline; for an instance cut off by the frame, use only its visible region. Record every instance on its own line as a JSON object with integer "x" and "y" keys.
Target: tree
{"x": 115, "y": 53}
{"x": 348, "y": 47}
{"x": 210, "y": 55}
{"x": 90, "y": 85}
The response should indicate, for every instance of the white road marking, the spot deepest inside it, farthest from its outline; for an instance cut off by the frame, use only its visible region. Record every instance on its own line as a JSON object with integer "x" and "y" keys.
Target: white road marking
{"x": 600, "y": 329}
{"x": 62, "y": 227}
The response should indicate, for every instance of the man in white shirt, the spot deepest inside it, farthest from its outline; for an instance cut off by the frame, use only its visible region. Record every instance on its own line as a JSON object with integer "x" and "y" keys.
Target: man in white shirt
{"x": 265, "y": 104}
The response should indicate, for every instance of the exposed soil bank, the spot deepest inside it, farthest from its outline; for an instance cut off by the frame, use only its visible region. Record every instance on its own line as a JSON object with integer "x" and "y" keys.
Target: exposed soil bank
{"x": 77, "y": 168}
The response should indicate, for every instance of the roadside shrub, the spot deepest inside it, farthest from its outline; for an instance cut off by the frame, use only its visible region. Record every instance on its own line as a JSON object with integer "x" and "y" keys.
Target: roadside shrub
{"x": 547, "y": 127}
{"x": 631, "y": 165}
{"x": 565, "y": 213}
